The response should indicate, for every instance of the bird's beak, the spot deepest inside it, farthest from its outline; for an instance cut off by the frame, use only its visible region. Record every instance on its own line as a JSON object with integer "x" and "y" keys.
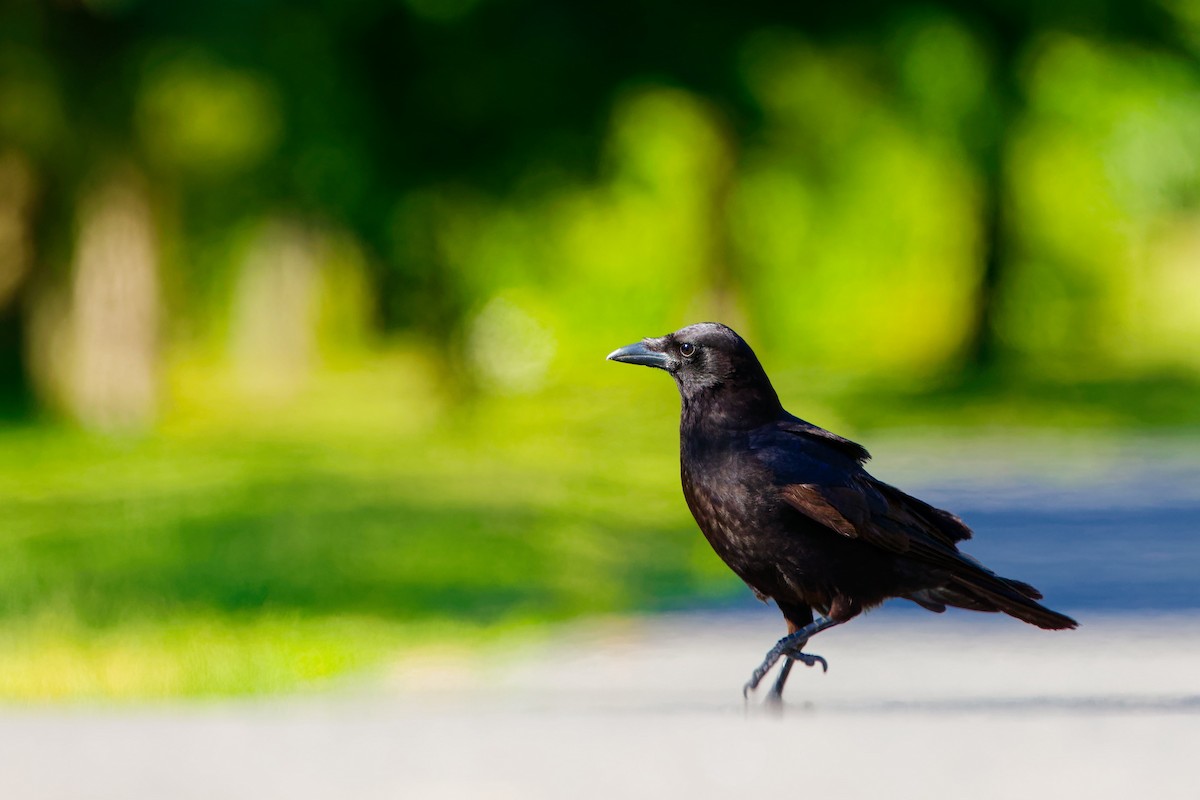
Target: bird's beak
{"x": 639, "y": 353}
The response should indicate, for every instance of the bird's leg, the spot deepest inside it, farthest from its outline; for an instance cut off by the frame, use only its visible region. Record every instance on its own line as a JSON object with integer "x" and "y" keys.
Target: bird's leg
{"x": 776, "y": 695}
{"x": 790, "y": 646}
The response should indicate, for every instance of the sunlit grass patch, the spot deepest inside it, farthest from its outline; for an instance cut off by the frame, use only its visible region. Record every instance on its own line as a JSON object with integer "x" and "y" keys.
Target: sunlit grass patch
{"x": 56, "y": 659}
{"x": 217, "y": 557}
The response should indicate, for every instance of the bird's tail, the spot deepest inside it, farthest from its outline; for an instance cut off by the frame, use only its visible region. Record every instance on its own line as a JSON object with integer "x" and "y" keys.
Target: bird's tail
{"x": 983, "y": 591}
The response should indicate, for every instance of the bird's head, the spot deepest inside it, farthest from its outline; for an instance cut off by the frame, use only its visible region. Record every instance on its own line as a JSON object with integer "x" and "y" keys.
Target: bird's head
{"x": 705, "y": 359}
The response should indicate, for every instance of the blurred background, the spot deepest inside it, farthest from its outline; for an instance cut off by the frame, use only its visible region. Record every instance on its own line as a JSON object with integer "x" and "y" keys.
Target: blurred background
{"x": 304, "y": 306}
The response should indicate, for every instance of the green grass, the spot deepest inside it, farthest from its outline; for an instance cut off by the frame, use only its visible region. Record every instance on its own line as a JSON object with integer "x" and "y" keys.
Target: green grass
{"x": 227, "y": 556}
{"x": 55, "y": 658}
{"x": 249, "y": 547}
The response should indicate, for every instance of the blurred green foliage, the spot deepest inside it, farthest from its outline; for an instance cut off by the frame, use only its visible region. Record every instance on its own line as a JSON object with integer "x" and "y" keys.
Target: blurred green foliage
{"x": 333, "y": 282}
{"x": 213, "y": 558}
{"x": 872, "y": 188}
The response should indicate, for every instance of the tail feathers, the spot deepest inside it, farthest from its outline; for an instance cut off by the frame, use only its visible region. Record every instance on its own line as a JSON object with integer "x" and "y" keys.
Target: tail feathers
{"x": 993, "y": 593}
{"x": 927, "y": 601}
{"x": 1024, "y": 588}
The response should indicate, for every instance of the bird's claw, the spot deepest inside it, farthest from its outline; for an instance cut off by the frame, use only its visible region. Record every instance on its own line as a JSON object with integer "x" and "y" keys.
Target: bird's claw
{"x": 791, "y": 647}
{"x": 810, "y": 660}
{"x": 807, "y": 659}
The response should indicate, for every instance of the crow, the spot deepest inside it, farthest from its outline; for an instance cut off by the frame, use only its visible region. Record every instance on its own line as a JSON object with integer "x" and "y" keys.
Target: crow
{"x": 790, "y": 509}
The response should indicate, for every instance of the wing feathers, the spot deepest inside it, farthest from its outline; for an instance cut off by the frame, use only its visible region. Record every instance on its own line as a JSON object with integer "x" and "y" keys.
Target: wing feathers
{"x": 947, "y": 525}
{"x": 885, "y": 517}
{"x": 809, "y": 501}
{"x": 857, "y": 511}
{"x": 798, "y": 427}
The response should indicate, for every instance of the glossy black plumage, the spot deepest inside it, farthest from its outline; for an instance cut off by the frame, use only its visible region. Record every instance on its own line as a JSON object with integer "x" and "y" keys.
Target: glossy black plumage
{"x": 790, "y": 508}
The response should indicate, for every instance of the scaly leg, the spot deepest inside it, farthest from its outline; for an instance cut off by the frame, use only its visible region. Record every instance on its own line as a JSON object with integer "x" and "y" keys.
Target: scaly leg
{"x": 776, "y": 695}
{"x": 790, "y": 646}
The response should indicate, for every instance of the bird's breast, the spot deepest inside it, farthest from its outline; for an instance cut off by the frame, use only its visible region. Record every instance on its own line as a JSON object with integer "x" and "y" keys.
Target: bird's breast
{"x": 724, "y": 491}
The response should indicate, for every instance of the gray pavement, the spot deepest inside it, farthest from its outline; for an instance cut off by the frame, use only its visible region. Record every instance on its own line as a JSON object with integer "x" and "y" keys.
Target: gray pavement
{"x": 922, "y": 707}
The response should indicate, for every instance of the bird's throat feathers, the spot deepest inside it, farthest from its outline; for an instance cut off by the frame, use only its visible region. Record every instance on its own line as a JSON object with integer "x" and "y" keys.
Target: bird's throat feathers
{"x": 740, "y": 400}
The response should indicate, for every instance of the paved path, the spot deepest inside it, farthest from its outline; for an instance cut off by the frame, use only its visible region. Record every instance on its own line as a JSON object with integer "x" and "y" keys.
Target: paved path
{"x": 912, "y": 707}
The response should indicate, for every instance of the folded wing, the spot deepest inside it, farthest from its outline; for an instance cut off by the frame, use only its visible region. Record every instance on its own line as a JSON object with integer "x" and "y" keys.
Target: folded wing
{"x": 851, "y": 503}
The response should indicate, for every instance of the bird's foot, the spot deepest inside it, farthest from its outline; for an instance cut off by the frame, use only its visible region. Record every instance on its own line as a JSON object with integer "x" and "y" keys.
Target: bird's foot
{"x": 810, "y": 660}
{"x": 789, "y": 646}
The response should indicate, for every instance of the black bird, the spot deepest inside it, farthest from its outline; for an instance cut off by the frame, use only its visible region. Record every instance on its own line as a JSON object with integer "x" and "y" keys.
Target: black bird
{"x": 788, "y": 506}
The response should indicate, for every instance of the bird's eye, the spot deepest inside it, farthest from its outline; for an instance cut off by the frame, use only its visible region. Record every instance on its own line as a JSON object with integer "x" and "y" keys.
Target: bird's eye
{"x": 687, "y": 349}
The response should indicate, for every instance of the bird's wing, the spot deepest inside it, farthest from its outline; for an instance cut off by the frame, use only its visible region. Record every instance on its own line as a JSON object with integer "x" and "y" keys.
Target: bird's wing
{"x": 885, "y": 517}
{"x": 946, "y": 526}
{"x": 828, "y": 486}
{"x": 820, "y": 475}
{"x": 861, "y": 507}
{"x": 794, "y": 426}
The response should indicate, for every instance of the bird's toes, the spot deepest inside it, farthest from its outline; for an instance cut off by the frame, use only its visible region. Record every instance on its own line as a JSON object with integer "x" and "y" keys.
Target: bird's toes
{"x": 811, "y": 660}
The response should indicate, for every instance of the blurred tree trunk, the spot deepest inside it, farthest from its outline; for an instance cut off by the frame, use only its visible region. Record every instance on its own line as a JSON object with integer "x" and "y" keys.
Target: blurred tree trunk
{"x": 94, "y": 345}
{"x": 273, "y": 326}
{"x": 17, "y": 194}
{"x": 14, "y": 386}
{"x": 984, "y": 350}
{"x": 723, "y": 298}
